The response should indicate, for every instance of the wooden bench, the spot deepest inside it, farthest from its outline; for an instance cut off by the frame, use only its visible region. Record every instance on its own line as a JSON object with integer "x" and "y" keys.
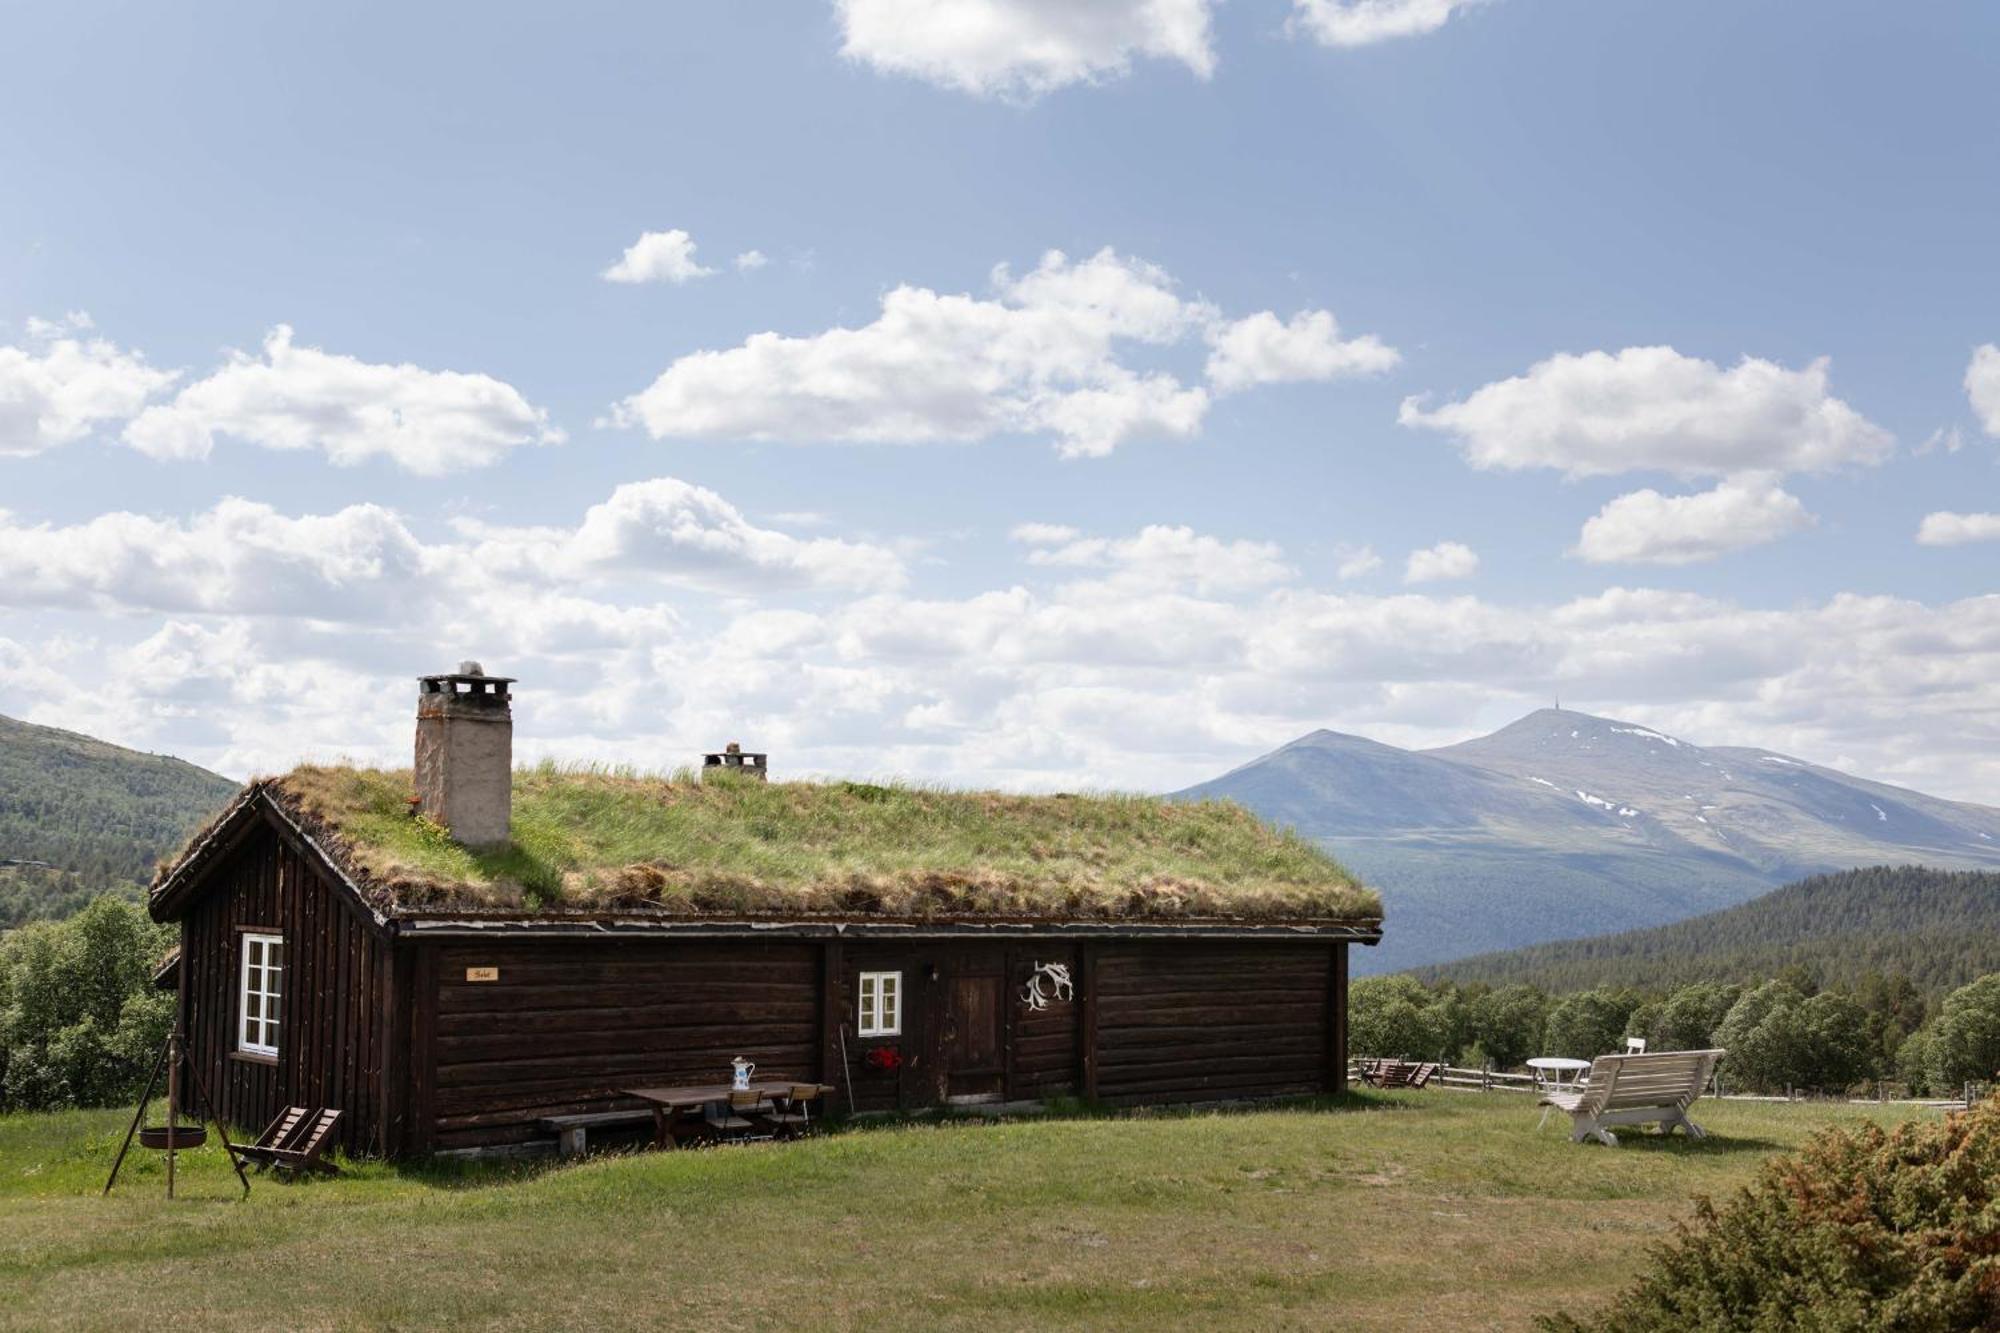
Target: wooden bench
{"x": 571, "y": 1131}
{"x": 1636, "y": 1090}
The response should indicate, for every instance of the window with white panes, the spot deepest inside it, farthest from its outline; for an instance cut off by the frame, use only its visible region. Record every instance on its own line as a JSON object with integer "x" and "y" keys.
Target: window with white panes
{"x": 262, "y": 996}
{"x": 881, "y": 1004}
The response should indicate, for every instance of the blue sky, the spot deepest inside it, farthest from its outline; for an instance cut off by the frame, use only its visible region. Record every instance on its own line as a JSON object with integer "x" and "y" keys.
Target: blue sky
{"x": 1471, "y": 209}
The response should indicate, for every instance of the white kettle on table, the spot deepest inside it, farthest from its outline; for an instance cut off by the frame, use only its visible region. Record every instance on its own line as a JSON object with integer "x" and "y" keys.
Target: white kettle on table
{"x": 743, "y": 1070}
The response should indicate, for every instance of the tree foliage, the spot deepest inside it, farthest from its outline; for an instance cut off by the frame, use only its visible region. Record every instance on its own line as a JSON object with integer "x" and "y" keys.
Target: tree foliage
{"x": 1588, "y": 1024}
{"x": 1507, "y": 1024}
{"x": 1779, "y": 1038}
{"x": 1396, "y": 1016}
{"x": 79, "y": 1019}
{"x": 1784, "y": 1033}
{"x": 1964, "y": 1044}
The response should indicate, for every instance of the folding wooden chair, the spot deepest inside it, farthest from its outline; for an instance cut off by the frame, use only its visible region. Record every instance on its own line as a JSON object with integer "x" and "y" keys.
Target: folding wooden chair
{"x": 734, "y": 1121}
{"x": 791, "y": 1114}
{"x": 293, "y": 1142}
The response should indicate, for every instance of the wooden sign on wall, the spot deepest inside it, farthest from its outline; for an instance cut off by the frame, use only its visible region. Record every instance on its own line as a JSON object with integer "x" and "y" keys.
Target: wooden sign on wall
{"x": 482, "y": 974}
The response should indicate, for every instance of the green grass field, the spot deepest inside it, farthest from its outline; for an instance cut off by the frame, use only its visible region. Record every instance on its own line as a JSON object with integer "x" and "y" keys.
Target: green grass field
{"x": 1409, "y": 1210}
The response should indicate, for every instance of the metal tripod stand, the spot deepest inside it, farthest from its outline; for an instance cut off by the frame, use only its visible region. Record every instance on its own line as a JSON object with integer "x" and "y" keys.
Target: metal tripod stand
{"x": 173, "y": 1136}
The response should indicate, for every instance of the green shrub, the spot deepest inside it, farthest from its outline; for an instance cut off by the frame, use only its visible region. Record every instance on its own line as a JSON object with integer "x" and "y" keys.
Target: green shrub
{"x": 1859, "y": 1230}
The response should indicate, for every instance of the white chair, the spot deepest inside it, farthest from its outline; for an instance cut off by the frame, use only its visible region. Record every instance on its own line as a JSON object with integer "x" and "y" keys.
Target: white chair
{"x": 1637, "y": 1090}
{"x": 1635, "y": 1046}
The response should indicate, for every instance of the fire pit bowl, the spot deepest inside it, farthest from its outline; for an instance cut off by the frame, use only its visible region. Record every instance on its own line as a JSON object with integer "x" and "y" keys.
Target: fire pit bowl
{"x": 182, "y": 1136}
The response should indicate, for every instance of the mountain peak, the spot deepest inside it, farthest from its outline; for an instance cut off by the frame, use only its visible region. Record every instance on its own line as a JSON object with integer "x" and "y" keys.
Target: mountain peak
{"x": 1547, "y": 727}
{"x": 1563, "y": 822}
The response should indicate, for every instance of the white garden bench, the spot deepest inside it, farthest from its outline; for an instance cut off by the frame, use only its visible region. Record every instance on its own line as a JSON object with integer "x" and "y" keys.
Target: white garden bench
{"x": 1636, "y": 1090}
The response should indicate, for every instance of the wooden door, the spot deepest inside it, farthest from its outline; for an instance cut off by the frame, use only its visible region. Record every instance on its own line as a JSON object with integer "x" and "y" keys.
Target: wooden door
{"x": 972, "y": 1054}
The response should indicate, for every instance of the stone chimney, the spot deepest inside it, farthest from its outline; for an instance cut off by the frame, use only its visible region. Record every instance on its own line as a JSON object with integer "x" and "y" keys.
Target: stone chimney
{"x": 732, "y": 760}
{"x": 465, "y": 753}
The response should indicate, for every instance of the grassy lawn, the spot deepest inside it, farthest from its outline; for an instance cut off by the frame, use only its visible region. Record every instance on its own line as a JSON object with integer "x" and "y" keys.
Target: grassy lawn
{"x": 1411, "y": 1210}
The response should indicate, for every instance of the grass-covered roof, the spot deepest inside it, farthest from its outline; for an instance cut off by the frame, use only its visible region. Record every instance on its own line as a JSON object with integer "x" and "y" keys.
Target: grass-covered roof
{"x": 594, "y": 841}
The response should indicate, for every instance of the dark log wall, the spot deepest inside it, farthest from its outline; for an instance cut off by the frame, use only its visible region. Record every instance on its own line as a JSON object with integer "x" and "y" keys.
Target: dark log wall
{"x": 1160, "y": 1021}
{"x": 1206, "y": 1022}
{"x": 333, "y": 1043}
{"x": 567, "y": 1023}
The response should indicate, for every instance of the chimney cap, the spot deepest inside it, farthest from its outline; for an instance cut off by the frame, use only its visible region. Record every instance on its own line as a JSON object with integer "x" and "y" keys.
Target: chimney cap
{"x": 734, "y": 756}
{"x": 469, "y": 677}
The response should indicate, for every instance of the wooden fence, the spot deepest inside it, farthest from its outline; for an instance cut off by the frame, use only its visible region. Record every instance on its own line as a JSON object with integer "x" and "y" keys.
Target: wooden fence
{"x": 1464, "y": 1078}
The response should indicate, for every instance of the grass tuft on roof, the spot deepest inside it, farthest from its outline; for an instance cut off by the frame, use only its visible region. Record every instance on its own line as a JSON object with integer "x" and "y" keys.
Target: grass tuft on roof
{"x": 599, "y": 840}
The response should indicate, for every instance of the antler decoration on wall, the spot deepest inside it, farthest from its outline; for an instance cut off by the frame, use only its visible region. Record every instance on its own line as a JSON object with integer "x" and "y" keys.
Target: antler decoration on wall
{"x": 1047, "y": 983}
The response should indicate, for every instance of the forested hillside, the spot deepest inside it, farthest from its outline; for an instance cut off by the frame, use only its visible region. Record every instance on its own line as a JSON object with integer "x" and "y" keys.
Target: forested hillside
{"x": 79, "y": 816}
{"x": 1939, "y": 928}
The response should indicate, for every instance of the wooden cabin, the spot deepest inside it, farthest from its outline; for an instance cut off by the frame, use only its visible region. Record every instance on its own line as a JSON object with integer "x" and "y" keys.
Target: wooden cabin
{"x": 455, "y": 953}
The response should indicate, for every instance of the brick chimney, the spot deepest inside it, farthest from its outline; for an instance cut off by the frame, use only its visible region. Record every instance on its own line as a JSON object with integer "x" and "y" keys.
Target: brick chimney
{"x": 465, "y": 753}
{"x": 733, "y": 761}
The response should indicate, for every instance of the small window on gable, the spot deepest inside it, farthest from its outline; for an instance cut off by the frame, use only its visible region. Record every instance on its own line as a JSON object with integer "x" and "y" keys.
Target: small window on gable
{"x": 881, "y": 1004}
{"x": 262, "y": 994}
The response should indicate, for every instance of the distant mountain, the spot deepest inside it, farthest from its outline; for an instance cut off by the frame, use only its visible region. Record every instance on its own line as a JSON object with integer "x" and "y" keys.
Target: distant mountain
{"x": 1563, "y": 824}
{"x": 79, "y": 816}
{"x": 1941, "y": 928}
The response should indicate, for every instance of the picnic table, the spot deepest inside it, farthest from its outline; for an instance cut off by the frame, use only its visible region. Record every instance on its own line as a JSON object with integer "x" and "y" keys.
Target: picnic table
{"x": 671, "y": 1103}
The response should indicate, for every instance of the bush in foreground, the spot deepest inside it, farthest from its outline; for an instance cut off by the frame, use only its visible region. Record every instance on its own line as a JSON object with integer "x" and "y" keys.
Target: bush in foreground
{"x": 1857, "y": 1230}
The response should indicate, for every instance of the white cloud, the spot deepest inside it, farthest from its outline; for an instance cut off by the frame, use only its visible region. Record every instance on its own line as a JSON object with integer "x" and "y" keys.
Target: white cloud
{"x": 1356, "y": 561}
{"x": 689, "y": 534}
{"x": 1948, "y": 529}
{"x": 660, "y": 256}
{"x": 426, "y": 421}
{"x": 1446, "y": 560}
{"x": 363, "y": 564}
{"x": 1982, "y": 386}
{"x": 1089, "y": 674}
{"x": 1043, "y": 534}
{"x": 1365, "y": 22}
{"x": 1171, "y": 557}
{"x": 1021, "y": 49}
{"x": 1650, "y": 408}
{"x": 239, "y": 557}
{"x": 1261, "y": 349}
{"x": 1044, "y": 356}
{"x": 1038, "y": 359}
{"x": 752, "y": 259}
{"x": 60, "y": 385}
{"x": 1647, "y": 527}
{"x": 1947, "y": 438}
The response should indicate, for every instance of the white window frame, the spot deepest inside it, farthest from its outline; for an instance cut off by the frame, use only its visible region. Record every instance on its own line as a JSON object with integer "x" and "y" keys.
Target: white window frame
{"x": 880, "y": 1009}
{"x": 259, "y": 1035}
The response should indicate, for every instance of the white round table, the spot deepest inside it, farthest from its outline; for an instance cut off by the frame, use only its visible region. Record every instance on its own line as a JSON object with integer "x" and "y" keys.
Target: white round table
{"x": 1558, "y": 1071}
